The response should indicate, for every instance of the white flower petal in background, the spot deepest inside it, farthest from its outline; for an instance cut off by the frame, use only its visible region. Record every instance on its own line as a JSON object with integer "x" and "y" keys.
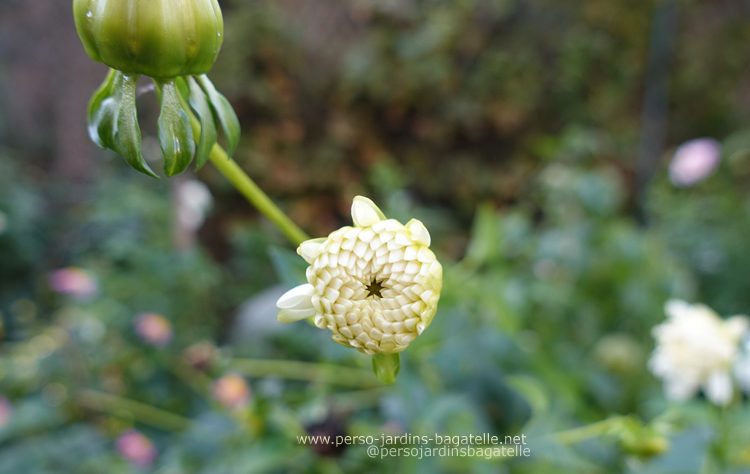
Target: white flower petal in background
{"x": 194, "y": 200}
{"x": 694, "y": 161}
{"x": 696, "y": 349}
{"x": 719, "y": 388}
{"x": 681, "y": 389}
{"x": 676, "y": 308}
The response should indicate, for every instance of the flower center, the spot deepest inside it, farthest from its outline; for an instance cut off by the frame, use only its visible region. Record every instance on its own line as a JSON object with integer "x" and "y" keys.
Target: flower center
{"x": 374, "y": 289}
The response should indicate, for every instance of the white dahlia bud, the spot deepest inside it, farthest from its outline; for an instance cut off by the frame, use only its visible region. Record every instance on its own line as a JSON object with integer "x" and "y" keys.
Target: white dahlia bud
{"x": 376, "y": 285}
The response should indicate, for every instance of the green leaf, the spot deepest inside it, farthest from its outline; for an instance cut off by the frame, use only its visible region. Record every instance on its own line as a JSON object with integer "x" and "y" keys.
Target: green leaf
{"x": 175, "y": 133}
{"x": 224, "y": 113}
{"x": 386, "y": 367}
{"x": 103, "y": 92}
{"x": 116, "y": 123}
{"x": 199, "y": 104}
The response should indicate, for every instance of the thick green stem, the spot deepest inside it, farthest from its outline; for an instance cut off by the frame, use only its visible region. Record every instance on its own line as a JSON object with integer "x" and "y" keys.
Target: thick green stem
{"x": 256, "y": 196}
{"x": 247, "y": 187}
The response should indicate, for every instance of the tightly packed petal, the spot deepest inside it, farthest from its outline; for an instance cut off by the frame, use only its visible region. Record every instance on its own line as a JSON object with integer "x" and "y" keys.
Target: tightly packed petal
{"x": 696, "y": 349}
{"x": 376, "y": 285}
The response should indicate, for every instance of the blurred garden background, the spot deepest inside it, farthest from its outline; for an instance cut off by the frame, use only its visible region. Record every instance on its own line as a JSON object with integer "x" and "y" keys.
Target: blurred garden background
{"x": 532, "y": 137}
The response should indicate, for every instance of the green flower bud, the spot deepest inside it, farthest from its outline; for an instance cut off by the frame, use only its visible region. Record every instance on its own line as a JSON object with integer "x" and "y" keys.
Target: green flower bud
{"x": 157, "y": 38}
{"x": 171, "y": 41}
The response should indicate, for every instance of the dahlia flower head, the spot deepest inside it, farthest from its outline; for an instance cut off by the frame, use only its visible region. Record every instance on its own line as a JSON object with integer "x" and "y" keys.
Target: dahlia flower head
{"x": 376, "y": 285}
{"x": 696, "y": 349}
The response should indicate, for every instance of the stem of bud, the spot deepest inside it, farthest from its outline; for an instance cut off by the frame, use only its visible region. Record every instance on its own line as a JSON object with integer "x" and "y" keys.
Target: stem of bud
{"x": 247, "y": 187}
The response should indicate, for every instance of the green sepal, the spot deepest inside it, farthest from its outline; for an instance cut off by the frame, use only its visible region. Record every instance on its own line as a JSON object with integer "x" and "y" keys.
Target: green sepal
{"x": 199, "y": 104}
{"x": 116, "y": 122}
{"x": 224, "y": 114}
{"x": 103, "y": 92}
{"x": 386, "y": 367}
{"x": 175, "y": 133}
{"x": 183, "y": 88}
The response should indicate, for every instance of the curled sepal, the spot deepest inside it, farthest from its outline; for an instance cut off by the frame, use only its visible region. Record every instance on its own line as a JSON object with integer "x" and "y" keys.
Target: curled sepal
{"x": 114, "y": 121}
{"x": 386, "y": 367}
{"x": 175, "y": 133}
{"x": 224, "y": 114}
{"x": 199, "y": 104}
{"x": 102, "y": 93}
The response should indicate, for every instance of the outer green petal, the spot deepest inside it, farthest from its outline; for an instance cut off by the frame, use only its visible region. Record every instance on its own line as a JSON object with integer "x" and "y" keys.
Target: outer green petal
{"x": 199, "y": 104}
{"x": 175, "y": 132}
{"x": 224, "y": 114}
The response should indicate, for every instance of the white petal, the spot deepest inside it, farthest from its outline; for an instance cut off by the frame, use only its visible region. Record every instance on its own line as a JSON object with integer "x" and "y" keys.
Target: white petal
{"x": 737, "y": 325}
{"x": 676, "y": 308}
{"x": 310, "y": 249}
{"x": 293, "y": 315}
{"x": 418, "y": 232}
{"x": 365, "y": 213}
{"x": 299, "y": 297}
{"x": 296, "y": 304}
{"x": 680, "y": 389}
{"x": 719, "y": 388}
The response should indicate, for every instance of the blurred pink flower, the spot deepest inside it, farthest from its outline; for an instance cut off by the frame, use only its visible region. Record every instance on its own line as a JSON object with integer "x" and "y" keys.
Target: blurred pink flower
{"x": 6, "y": 411}
{"x": 694, "y": 161}
{"x": 231, "y": 391}
{"x": 73, "y": 281}
{"x": 136, "y": 448}
{"x": 154, "y": 329}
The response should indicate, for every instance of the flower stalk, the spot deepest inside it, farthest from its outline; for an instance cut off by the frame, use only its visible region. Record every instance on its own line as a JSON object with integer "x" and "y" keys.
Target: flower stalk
{"x": 247, "y": 187}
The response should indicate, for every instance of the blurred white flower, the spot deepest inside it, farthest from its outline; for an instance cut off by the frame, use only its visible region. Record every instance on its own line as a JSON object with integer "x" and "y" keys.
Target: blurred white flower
{"x": 376, "y": 285}
{"x": 694, "y": 161}
{"x": 73, "y": 281}
{"x": 696, "y": 349}
{"x": 194, "y": 200}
